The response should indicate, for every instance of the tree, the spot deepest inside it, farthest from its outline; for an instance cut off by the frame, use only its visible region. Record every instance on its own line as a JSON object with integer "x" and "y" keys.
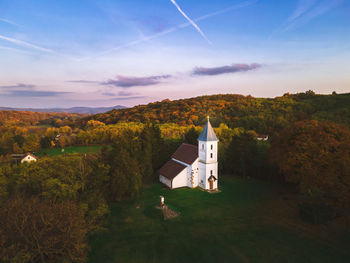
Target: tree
{"x": 316, "y": 156}
{"x": 83, "y": 180}
{"x": 146, "y": 155}
{"x": 45, "y": 142}
{"x": 191, "y": 136}
{"x": 19, "y": 139}
{"x": 125, "y": 177}
{"x": 32, "y": 230}
{"x": 241, "y": 154}
{"x": 32, "y": 143}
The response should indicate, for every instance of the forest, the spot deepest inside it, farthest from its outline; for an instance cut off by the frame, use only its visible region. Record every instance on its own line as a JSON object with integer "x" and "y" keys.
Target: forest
{"x": 51, "y": 207}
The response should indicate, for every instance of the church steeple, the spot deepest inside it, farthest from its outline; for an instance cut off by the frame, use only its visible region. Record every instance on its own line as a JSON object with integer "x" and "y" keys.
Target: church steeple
{"x": 208, "y": 133}
{"x": 208, "y": 158}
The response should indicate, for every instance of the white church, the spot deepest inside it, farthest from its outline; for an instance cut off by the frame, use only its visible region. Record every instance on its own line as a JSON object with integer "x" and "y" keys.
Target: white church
{"x": 194, "y": 166}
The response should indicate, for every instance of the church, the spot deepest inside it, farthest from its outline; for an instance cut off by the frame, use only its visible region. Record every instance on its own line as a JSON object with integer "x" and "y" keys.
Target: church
{"x": 194, "y": 166}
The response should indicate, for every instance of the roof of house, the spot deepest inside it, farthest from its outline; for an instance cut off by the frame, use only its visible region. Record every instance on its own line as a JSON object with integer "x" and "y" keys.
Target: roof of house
{"x": 171, "y": 169}
{"x": 30, "y": 155}
{"x": 186, "y": 153}
{"x": 208, "y": 133}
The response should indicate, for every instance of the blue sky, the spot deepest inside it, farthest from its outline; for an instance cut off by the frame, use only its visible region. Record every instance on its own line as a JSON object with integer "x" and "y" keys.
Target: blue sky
{"x": 108, "y": 52}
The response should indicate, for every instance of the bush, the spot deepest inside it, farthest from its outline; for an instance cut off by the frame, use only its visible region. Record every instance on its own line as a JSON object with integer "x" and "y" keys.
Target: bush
{"x": 315, "y": 213}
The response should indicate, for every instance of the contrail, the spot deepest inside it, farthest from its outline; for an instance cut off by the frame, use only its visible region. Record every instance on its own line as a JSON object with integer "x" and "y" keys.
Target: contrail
{"x": 303, "y": 6}
{"x": 191, "y": 21}
{"x": 26, "y": 44}
{"x": 170, "y": 30}
{"x": 8, "y": 22}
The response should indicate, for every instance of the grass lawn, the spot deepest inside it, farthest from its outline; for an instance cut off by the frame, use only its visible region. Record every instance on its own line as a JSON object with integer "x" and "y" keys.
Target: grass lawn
{"x": 70, "y": 150}
{"x": 248, "y": 221}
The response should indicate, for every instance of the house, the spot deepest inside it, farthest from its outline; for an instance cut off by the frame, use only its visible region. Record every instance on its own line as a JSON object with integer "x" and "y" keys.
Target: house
{"x": 193, "y": 166}
{"x": 262, "y": 137}
{"x": 28, "y": 157}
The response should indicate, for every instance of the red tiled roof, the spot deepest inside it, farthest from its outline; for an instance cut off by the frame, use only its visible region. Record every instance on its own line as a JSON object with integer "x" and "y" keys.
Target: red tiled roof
{"x": 171, "y": 169}
{"x": 186, "y": 153}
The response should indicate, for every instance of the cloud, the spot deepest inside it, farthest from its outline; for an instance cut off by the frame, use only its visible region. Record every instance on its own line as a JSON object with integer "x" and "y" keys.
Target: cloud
{"x": 110, "y": 94}
{"x": 130, "y": 98}
{"x": 83, "y": 81}
{"x": 27, "y": 90}
{"x": 127, "y": 82}
{"x": 26, "y": 44}
{"x": 18, "y": 86}
{"x": 191, "y": 21}
{"x": 202, "y": 71}
{"x": 36, "y": 93}
{"x": 121, "y": 95}
{"x": 125, "y": 93}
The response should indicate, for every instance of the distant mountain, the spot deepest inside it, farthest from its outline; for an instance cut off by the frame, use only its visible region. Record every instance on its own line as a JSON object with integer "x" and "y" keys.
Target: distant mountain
{"x": 79, "y": 110}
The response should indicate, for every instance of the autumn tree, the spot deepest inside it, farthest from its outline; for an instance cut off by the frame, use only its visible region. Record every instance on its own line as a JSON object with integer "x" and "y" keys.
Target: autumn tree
{"x": 32, "y": 230}
{"x": 316, "y": 156}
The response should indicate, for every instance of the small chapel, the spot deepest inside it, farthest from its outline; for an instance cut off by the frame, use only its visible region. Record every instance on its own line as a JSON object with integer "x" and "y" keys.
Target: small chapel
{"x": 194, "y": 166}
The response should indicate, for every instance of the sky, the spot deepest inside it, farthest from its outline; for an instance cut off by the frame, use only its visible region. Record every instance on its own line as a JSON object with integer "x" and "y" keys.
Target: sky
{"x": 115, "y": 52}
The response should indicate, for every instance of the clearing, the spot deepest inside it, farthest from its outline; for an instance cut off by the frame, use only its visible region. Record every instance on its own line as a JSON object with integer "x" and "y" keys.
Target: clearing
{"x": 248, "y": 221}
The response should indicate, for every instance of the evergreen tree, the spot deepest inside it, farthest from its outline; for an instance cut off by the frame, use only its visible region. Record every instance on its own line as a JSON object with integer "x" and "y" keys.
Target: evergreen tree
{"x": 146, "y": 152}
{"x": 191, "y": 136}
{"x": 241, "y": 155}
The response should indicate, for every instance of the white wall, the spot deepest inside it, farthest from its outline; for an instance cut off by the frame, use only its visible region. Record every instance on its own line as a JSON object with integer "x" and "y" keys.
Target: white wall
{"x": 165, "y": 181}
{"x": 181, "y": 179}
{"x": 205, "y": 172}
{"x": 205, "y": 151}
{"x": 28, "y": 159}
{"x": 193, "y": 171}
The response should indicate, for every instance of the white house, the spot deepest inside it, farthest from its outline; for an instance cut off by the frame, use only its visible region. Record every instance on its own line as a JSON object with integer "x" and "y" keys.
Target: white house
{"x": 28, "y": 157}
{"x": 262, "y": 137}
{"x": 193, "y": 166}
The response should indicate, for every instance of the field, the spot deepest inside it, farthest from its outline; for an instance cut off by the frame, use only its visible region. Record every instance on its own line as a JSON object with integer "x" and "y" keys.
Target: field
{"x": 70, "y": 150}
{"x": 248, "y": 221}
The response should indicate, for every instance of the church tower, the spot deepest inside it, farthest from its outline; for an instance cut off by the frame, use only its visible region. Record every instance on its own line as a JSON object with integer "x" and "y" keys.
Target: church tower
{"x": 208, "y": 158}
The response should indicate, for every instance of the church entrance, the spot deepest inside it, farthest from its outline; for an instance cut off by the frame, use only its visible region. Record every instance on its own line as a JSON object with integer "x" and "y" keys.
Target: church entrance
{"x": 211, "y": 184}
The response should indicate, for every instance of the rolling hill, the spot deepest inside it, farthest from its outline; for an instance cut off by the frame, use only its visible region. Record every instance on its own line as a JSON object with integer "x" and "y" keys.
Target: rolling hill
{"x": 264, "y": 115}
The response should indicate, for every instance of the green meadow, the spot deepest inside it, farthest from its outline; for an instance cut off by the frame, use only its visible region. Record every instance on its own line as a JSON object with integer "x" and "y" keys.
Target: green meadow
{"x": 248, "y": 221}
{"x": 70, "y": 150}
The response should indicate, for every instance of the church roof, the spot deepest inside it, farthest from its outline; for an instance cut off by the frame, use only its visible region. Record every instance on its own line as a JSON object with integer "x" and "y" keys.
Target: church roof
{"x": 208, "y": 133}
{"x": 186, "y": 153}
{"x": 171, "y": 169}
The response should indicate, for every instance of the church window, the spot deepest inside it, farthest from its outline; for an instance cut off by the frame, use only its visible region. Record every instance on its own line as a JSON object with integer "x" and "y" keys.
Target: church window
{"x": 211, "y": 172}
{"x": 211, "y": 147}
{"x": 211, "y": 155}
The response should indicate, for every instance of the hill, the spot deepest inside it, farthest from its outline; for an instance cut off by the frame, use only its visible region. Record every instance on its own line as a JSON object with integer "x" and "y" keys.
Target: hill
{"x": 79, "y": 110}
{"x": 21, "y": 118}
{"x": 265, "y": 115}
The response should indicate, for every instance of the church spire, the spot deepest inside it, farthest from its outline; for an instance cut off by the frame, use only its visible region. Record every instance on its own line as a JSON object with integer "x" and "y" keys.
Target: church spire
{"x": 208, "y": 133}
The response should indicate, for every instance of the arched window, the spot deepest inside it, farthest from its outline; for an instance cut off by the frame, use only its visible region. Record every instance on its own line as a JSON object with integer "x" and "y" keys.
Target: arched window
{"x": 211, "y": 155}
{"x": 211, "y": 147}
{"x": 211, "y": 172}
